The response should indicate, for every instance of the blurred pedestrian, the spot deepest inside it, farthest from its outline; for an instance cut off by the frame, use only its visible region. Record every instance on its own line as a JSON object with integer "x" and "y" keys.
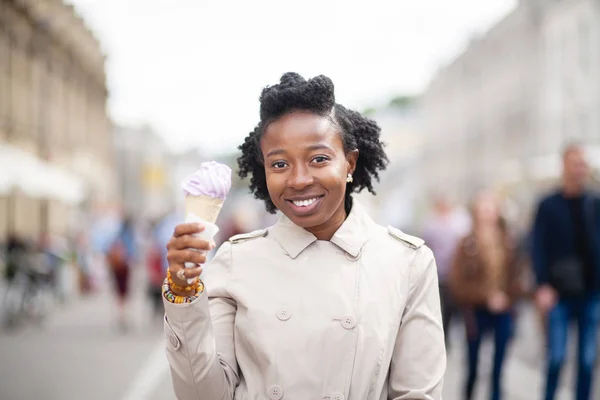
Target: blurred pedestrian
{"x": 82, "y": 259}
{"x": 156, "y": 275}
{"x": 442, "y": 232}
{"x": 49, "y": 259}
{"x": 120, "y": 256}
{"x": 566, "y": 260}
{"x": 243, "y": 218}
{"x": 157, "y": 264}
{"x": 485, "y": 281}
{"x": 16, "y": 250}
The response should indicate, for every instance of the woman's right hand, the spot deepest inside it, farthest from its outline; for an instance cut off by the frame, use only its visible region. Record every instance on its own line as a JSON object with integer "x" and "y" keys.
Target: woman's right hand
{"x": 498, "y": 302}
{"x": 182, "y": 248}
{"x": 545, "y": 298}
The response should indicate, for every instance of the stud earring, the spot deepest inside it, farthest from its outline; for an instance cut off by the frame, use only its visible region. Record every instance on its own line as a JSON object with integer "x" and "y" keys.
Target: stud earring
{"x": 349, "y": 179}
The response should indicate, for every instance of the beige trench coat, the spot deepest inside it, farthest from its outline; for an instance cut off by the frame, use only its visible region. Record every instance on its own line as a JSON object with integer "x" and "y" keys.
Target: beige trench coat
{"x": 287, "y": 316}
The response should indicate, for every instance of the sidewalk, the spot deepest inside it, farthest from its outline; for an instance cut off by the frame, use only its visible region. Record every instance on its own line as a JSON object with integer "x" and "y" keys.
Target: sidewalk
{"x": 524, "y": 373}
{"x": 521, "y": 382}
{"x": 79, "y": 352}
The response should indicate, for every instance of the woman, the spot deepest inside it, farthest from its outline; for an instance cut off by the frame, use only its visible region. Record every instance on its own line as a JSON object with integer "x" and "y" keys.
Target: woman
{"x": 156, "y": 273}
{"x": 120, "y": 255}
{"x": 484, "y": 280}
{"x": 325, "y": 304}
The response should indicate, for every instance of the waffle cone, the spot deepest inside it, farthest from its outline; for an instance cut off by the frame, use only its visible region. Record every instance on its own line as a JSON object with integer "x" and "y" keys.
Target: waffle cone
{"x": 205, "y": 207}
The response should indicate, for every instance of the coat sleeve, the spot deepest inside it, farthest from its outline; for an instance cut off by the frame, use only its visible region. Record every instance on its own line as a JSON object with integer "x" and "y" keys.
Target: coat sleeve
{"x": 419, "y": 358}
{"x": 200, "y": 347}
{"x": 538, "y": 253}
{"x": 516, "y": 285}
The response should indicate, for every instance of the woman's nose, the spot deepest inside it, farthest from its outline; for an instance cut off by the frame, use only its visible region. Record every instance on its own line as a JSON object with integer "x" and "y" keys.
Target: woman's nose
{"x": 300, "y": 178}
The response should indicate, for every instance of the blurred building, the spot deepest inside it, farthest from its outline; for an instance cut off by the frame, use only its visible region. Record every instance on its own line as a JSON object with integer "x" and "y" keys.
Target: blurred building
{"x": 399, "y": 192}
{"x": 183, "y": 164}
{"x": 53, "y": 107}
{"x": 570, "y": 76}
{"x": 499, "y": 114}
{"x": 145, "y": 169}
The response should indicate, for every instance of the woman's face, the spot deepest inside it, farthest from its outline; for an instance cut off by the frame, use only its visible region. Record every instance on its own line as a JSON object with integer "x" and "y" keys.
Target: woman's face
{"x": 306, "y": 169}
{"x": 485, "y": 210}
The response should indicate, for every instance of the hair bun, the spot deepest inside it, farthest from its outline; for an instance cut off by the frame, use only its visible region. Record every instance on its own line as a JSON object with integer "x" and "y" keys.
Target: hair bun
{"x": 293, "y": 92}
{"x": 321, "y": 86}
{"x": 291, "y": 79}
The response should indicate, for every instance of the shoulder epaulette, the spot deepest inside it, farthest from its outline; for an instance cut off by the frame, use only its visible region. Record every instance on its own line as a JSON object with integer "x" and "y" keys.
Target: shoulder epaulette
{"x": 412, "y": 241}
{"x": 247, "y": 236}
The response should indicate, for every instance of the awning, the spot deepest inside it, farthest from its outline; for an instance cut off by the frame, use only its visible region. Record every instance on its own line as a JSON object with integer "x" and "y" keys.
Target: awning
{"x": 20, "y": 170}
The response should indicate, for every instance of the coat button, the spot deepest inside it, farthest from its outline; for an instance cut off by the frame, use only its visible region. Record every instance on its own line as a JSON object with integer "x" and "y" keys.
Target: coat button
{"x": 275, "y": 392}
{"x": 348, "y": 321}
{"x": 337, "y": 396}
{"x": 283, "y": 314}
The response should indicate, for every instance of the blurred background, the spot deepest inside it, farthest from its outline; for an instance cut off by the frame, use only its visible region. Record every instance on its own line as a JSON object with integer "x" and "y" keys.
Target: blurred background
{"x": 106, "y": 105}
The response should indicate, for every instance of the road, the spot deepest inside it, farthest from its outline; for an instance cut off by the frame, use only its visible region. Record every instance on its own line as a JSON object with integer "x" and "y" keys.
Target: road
{"x": 79, "y": 353}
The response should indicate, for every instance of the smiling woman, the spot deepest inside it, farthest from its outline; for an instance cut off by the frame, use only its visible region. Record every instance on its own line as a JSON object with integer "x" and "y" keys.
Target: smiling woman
{"x": 325, "y": 304}
{"x": 307, "y": 147}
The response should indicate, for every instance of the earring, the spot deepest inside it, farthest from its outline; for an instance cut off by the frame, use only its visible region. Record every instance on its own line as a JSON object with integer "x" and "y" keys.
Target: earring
{"x": 349, "y": 179}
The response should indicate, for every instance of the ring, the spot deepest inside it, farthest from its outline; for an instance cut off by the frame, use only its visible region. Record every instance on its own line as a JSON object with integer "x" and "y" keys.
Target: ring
{"x": 181, "y": 274}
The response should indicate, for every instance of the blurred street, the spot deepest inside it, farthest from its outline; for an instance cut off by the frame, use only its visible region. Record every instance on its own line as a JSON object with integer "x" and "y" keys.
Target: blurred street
{"x": 79, "y": 351}
{"x": 489, "y": 112}
{"x": 524, "y": 369}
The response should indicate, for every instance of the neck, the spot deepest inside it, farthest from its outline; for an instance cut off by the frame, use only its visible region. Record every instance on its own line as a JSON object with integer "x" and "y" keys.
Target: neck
{"x": 328, "y": 229}
{"x": 486, "y": 227}
{"x": 572, "y": 189}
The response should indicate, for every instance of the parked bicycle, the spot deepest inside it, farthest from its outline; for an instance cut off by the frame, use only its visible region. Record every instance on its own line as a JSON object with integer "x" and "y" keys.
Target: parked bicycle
{"x": 29, "y": 280}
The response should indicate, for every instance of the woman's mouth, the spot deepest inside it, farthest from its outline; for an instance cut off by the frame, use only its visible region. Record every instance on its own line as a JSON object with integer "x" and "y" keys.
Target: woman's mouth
{"x": 305, "y": 206}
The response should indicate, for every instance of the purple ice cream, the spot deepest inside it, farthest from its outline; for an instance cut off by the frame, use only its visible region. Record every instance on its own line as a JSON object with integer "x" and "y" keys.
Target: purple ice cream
{"x": 212, "y": 180}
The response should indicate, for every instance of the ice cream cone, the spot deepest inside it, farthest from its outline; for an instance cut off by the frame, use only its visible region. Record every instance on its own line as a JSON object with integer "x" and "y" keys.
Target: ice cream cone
{"x": 205, "y": 193}
{"x": 205, "y": 207}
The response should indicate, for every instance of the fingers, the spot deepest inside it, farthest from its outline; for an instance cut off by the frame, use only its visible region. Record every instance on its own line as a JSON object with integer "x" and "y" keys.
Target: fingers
{"x": 189, "y": 242}
{"x": 187, "y": 229}
{"x": 180, "y": 257}
{"x": 185, "y": 248}
{"x": 190, "y": 273}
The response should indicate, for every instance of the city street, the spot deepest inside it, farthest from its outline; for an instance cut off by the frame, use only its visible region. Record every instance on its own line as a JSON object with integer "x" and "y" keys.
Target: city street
{"x": 80, "y": 353}
{"x": 474, "y": 125}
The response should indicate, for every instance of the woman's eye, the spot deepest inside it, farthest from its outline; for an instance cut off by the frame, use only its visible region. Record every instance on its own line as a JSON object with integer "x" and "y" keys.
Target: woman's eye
{"x": 278, "y": 164}
{"x": 320, "y": 159}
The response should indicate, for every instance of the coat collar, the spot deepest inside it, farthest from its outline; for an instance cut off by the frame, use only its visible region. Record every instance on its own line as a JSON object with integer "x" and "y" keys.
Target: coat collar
{"x": 350, "y": 237}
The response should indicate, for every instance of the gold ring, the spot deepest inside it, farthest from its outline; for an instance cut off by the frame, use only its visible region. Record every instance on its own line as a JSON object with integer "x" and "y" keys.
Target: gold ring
{"x": 181, "y": 274}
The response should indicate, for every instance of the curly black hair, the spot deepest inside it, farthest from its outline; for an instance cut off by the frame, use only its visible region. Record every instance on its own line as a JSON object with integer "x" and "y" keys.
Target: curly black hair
{"x": 316, "y": 95}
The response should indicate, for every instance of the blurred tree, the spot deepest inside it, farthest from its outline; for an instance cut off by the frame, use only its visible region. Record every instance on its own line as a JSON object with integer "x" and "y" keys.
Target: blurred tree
{"x": 402, "y": 102}
{"x": 369, "y": 111}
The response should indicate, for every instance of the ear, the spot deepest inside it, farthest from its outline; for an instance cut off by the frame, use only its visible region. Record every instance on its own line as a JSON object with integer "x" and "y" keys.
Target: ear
{"x": 351, "y": 159}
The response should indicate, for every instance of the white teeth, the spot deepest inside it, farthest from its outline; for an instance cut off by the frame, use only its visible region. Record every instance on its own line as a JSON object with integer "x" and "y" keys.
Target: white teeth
{"x": 304, "y": 203}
